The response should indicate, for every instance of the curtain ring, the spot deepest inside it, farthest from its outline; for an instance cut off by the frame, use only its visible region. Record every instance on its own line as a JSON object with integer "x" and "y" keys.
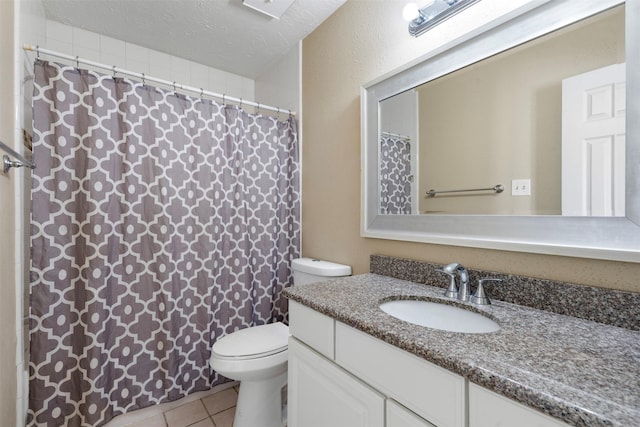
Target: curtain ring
{"x": 114, "y": 71}
{"x": 223, "y": 103}
{"x": 278, "y": 113}
{"x": 201, "y": 93}
{"x": 258, "y": 109}
{"x": 174, "y": 87}
{"x": 77, "y": 62}
{"x": 37, "y": 51}
{"x": 290, "y": 115}
{"x": 143, "y": 81}
{"x": 240, "y": 103}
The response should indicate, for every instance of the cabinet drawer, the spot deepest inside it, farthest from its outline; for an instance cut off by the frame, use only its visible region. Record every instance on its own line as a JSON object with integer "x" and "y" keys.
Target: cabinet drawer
{"x": 488, "y": 409}
{"x": 312, "y": 328}
{"x": 433, "y": 393}
{"x": 398, "y": 416}
{"x": 321, "y": 394}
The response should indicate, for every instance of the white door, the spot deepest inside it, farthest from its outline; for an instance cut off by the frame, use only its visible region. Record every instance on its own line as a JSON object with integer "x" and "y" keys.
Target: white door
{"x": 593, "y": 143}
{"x": 323, "y": 395}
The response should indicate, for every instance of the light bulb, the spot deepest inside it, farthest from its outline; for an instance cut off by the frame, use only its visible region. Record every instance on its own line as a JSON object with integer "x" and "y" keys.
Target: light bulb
{"x": 410, "y": 12}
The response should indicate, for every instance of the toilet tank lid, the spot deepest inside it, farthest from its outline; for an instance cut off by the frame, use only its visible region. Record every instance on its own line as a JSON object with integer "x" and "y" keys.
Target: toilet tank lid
{"x": 320, "y": 268}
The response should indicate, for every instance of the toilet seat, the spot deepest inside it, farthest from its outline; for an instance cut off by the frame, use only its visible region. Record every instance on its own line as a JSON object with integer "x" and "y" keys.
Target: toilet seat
{"x": 252, "y": 343}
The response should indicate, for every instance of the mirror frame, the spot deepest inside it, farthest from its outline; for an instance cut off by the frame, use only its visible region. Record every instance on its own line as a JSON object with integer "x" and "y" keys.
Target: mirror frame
{"x": 611, "y": 238}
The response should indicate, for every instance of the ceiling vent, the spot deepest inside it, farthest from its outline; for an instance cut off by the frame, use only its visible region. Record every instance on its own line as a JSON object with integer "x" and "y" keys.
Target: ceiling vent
{"x": 272, "y": 8}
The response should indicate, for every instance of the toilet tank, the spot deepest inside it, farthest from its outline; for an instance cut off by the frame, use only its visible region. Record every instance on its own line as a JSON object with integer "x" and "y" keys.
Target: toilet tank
{"x": 309, "y": 270}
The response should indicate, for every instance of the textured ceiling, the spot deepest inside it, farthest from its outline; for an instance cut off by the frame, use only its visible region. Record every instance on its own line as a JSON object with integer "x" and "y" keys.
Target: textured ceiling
{"x": 219, "y": 33}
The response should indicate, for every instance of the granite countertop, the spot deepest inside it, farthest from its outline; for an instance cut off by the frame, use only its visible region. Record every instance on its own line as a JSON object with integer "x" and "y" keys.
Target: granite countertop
{"x": 581, "y": 372}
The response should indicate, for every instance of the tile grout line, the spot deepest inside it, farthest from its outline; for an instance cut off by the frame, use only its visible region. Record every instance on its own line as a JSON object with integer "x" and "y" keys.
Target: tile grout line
{"x": 209, "y": 414}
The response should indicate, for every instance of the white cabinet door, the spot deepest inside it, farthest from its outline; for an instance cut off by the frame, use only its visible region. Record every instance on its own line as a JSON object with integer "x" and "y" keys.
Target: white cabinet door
{"x": 399, "y": 416}
{"x": 488, "y": 409}
{"x": 323, "y": 395}
{"x": 430, "y": 391}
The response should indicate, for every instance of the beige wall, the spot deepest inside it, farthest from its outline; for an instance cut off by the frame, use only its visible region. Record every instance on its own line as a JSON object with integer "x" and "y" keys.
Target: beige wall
{"x": 8, "y": 377}
{"x": 360, "y": 42}
{"x": 510, "y": 127}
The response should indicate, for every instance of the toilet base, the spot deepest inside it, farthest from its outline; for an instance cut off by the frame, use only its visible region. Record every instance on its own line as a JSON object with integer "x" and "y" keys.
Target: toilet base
{"x": 260, "y": 403}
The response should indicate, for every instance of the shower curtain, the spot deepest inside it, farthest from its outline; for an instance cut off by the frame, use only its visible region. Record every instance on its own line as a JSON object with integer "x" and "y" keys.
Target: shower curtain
{"x": 160, "y": 223}
{"x": 395, "y": 173}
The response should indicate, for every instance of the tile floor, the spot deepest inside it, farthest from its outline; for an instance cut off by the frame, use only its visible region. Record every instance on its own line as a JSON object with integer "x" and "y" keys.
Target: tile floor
{"x": 213, "y": 410}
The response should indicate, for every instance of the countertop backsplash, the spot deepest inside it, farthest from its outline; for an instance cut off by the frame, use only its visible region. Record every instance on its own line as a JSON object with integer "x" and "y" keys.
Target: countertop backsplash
{"x": 608, "y": 306}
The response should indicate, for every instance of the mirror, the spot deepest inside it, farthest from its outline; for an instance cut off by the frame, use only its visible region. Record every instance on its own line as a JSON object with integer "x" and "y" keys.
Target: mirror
{"x": 501, "y": 121}
{"x": 439, "y": 125}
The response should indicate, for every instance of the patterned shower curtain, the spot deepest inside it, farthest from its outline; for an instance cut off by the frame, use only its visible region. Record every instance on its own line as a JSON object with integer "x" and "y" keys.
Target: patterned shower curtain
{"x": 395, "y": 175}
{"x": 160, "y": 223}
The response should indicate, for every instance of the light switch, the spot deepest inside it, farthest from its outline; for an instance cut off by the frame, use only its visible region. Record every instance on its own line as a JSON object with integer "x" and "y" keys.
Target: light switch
{"x": 521, "y": 187}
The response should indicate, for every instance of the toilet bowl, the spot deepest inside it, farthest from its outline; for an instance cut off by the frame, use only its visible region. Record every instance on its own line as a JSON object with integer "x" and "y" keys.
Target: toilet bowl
{"x": 257, "y": 356}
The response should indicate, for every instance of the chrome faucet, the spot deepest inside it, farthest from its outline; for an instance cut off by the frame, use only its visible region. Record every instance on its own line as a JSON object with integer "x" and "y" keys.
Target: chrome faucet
{"x": 463, "y": 289}
{"x": 462, "y": 292}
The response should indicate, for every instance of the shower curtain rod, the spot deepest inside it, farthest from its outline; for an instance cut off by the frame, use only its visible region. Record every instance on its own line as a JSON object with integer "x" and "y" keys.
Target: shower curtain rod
{"x": 116, "y": 70}
{"x": 7, "y": 163}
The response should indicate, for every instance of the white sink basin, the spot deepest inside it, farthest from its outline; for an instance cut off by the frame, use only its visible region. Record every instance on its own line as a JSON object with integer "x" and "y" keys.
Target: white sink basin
{"x": 439, "y": 316}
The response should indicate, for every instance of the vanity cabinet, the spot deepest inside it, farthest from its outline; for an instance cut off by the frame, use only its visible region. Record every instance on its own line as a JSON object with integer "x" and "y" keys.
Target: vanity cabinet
{"x": 398, "y": 416}
{"x": 340, "y": 376}
{"x": 487, "y": 408}
{"x": 312, "y": 328}
{"x": 430, "y": 391}
{"x": 321, "y": 394}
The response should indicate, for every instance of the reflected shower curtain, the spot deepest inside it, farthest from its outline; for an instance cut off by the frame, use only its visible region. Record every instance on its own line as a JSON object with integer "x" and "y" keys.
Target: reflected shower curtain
{"x": 160, "y": 223}
{"x": 395, "y": 175}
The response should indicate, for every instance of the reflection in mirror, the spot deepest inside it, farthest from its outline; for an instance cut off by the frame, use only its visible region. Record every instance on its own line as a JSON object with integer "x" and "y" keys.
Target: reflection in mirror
{"x": 544, "y": 119}
{"x": 399, "y": 153}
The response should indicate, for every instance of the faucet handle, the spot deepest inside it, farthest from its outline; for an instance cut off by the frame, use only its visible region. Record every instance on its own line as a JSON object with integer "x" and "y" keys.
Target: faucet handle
{"x": 450, "y": 268}
{"x": 480, "y": 297}
{"x": 452, "y": 290}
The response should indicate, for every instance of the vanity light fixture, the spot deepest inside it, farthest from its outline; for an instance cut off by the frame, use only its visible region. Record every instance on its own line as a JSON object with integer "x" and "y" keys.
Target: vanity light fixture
{"x": 432, "y": 13}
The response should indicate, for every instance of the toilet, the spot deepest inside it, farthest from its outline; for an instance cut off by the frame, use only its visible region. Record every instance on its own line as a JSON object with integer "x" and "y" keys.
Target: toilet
{"x": 257, "y": 356}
